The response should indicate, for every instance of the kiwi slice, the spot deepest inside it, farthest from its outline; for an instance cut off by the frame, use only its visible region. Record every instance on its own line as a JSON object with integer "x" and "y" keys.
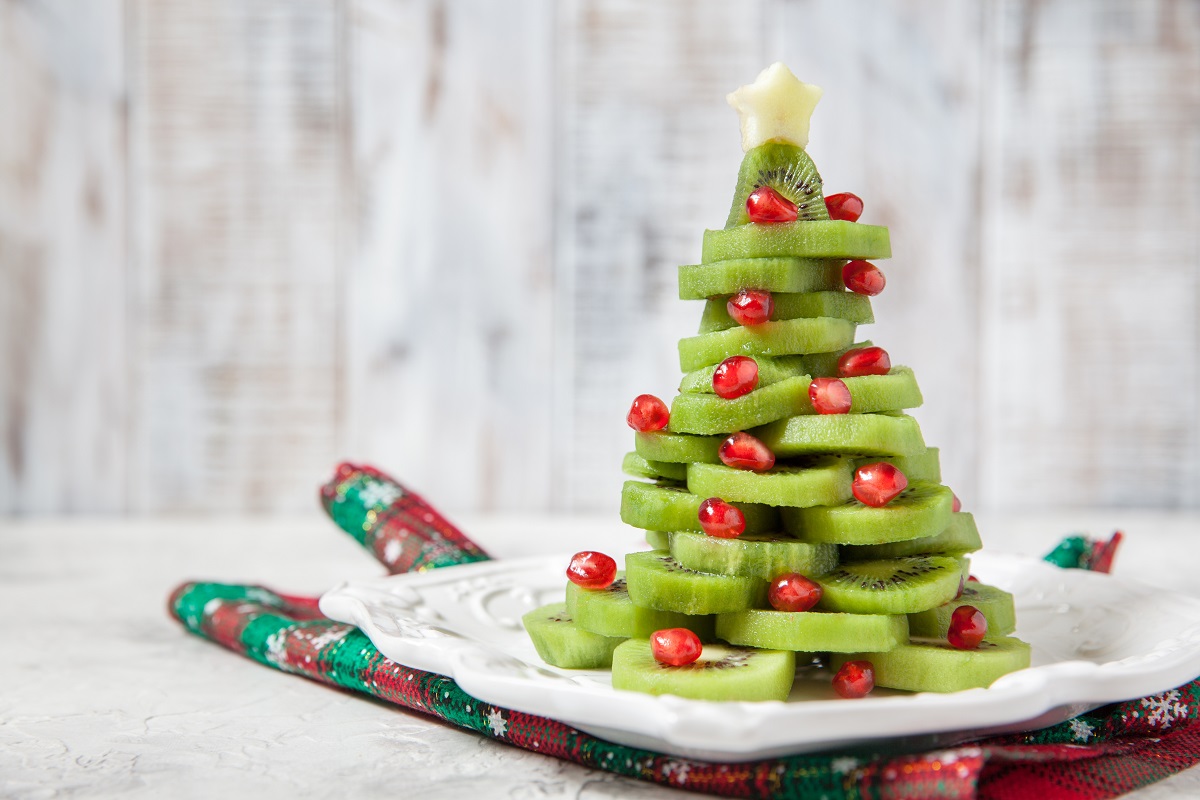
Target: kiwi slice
{"x": 923, "y": 509}
{"x": 709, "y": 413}
{"x": 562, "y": 643}
{"x": 658, "y": 540}
{"x": 639, "y": 467}
{"x": 870, "y": 394}
{"x": 845, "y": 305}
{"x": 890, "y": 586}
{"x": 655, "y": 580}
{"x": 787, "y": 169}
{"x": 824, "y": 239}
{"x": 929, "y": 665}
{"x": 668, "y": 508}
{"x": 811, "y": 481}
{"x": 958, "y": 538}
{"x": 610, "y": 612}
{"x": 925, "y": 466}
{"x": 787, "y": 337}
{"x": 721, "y": 673}
{"x": 770, "y": 371}
{"x": 678, "y": 448}
{"x": 701, "y": 281}
{"x": 813, "y": 631}
{"x": 996, "y": 605}
{"x": 854, "y": 434}
{"x": 761, "y": 555}
{"x": 824, "y": 365}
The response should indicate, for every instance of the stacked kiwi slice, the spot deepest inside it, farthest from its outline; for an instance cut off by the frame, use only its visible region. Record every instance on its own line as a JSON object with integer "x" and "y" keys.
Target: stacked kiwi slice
{"x": 890, "y": 575}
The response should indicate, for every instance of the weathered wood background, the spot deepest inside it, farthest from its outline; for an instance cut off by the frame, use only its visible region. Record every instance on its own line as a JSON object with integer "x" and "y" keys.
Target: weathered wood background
{"x": 241, "y": 240}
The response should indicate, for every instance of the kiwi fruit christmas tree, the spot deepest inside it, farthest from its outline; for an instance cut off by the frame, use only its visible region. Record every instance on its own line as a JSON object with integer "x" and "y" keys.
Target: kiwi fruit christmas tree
{"x": 793, "y": 505}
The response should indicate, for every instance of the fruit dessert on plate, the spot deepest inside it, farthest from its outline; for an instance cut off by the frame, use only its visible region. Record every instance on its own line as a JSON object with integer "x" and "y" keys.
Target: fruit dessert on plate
{"x": 795, "y": 508}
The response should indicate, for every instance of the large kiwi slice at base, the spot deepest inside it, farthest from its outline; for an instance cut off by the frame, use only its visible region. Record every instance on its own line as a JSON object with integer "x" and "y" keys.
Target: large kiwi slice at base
{"x": 823, "y": 239}
{"x": 785, "y": 338}
{"x": 881, "y": 435}
{"x": 655, "y": 580}
{"x": 928, "y": 665}
{"x": 996, "y": 605}
{"x": 708, "y": 413}
{"x": 788, "y": 275}
{"x": 610, "y": 612}
{"x": 764, "y": 555}
{"x": 721, "y": 673}
{"x": 812, "y": 631}
{"x": 923, "y": 509}
{"x": 669, "y": 508}
{"x": 814, "y": 481}
{"x": 958, "y": 538}
{"x": 891, "y": 586}
{"x": 562, "y": 643}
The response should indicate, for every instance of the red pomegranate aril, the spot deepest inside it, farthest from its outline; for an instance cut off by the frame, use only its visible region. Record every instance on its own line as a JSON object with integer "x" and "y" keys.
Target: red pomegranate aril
{"x": 767, "y": 205}
{"x": 968, "y": 626}
{"x": 957, "y": 507}
{"x": 864, "y": 361}
{"x": 844, "y": 205}
{"x": 863, "y": 277}
{"x": 675, "y": 647}
{"x": 830, "y": 396}
{"x": 591, "y": 570}
{"x": 972, "y": 579}
{"x": 751, "y": 307}
{"x": 878, "y": 484}
{"x": 793, "y": 592}
{"x": 743, "y": 451}
{"x": 855, "y": 679}
{"x": 720, "y": 519}
{"x": 648, "y": 413}
{"x": 735, "y": 376}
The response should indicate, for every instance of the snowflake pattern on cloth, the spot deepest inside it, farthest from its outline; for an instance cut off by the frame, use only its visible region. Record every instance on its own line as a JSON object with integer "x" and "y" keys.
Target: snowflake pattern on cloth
{"x": 378, "y": 493}
{"x": 497, "y": 723}
{"x": 1164, "y": 709}
{"x": 1081, "y": 729}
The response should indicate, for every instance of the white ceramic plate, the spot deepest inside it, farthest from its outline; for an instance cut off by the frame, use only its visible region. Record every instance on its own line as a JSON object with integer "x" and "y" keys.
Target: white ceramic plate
{"x": 1095, "y": 640}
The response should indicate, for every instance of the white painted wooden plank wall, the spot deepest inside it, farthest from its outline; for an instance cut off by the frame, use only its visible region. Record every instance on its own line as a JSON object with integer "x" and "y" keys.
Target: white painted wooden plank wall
{"x": 242, "y": 240}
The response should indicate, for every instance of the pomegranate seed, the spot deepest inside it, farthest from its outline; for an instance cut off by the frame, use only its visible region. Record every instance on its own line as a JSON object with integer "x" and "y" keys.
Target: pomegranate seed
{"x": 591, "y": 570}
{"x": 864, "y": 361}
{"x": 675, "y": 646}
{"x": 767, "y": 205}
{"x": 735, "y": 376}
{"x": 830, "y": 396}
{"x": 751, "y": 307}
{"x": 957, "y": 507}
{"x": 878, "y": 484}
{"x": 863, "y": 277}
{"x": 845, "y": 206}
{"x": 968, "y": 626}
{"x": 720, "y": 519}
{"x": 793, "y": 592}
{"x": 743, "y": 451}
{"x": 648, "y": 413}
{"x": 972, "y": 578}
{"x": 855, "y": 679}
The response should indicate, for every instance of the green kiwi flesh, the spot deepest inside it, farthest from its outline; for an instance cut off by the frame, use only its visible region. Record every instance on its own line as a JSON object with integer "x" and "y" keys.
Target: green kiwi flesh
{"x": 784, "y": 338}
{"x": 921, "y": 510}
{"x": 764, "y": 555}
{"x": 787, "y": 169}
{"x": 655, "y": 580}
{"x": 633, "y": 464}
{"x": 789, "y": 275}
{"x": 882, "y": 435}
{"x": 925, "y": 466}
{"x": 890, "y": 586}
{"x": 813, "y": 631}
{"x": 678, "y": 448}
{"x": 708, "y": 413}
{"x": 610, "y": 612}
{"x": 658, "y": 540}
{"x": 995, "y": 604}
{"x": 929, "y": 665}
{"x": 823, "y": 239}
{"x": 957, "y": 539}
{"x": 812, "y": 481}
{"x": 721, "y": 673}
{"x": 562, "y": 643}
{"x": 669, "y": 508}
{"x": 845, "y": 305}
{"x": 770, "y": 371}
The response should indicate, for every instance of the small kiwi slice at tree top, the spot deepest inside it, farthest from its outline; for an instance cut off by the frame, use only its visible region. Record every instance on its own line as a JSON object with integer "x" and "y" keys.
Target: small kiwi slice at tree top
{"x": 786, "y": 463}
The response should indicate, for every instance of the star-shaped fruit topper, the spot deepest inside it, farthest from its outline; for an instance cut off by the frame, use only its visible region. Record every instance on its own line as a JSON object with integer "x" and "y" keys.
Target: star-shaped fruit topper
{"x": 775, "y": 108}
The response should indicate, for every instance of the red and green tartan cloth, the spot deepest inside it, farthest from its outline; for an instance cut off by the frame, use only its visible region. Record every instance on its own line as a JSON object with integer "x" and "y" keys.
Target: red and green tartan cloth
{"x": 1105, "y": 753}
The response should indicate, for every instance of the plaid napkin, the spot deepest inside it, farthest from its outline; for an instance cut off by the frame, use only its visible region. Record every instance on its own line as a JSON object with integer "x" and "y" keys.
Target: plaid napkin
{"x": 1105, "y": 753}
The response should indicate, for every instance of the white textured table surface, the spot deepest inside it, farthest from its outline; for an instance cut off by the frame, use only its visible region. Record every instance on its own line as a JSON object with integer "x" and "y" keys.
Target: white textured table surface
{"x": 103, "y": 695}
